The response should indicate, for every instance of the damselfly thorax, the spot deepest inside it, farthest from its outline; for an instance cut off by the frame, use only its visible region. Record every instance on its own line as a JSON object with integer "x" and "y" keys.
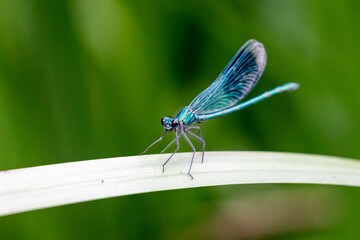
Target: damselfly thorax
{"x": 222, "y": 97}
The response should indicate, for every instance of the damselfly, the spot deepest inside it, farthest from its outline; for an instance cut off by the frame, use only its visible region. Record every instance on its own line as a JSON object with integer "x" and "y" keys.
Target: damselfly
{"x": 221, "y": 97}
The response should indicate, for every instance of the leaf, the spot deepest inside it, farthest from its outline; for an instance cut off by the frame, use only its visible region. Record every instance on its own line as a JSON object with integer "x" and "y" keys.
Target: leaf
{"x": 59, "y": 184}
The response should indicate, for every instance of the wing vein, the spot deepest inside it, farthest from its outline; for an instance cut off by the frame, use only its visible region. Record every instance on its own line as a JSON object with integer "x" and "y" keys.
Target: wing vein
{"x": 235, "y": 81}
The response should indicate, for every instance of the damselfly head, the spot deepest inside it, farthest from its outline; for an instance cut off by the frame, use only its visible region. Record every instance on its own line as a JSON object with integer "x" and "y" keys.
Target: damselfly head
{"x": 169, "y": 123}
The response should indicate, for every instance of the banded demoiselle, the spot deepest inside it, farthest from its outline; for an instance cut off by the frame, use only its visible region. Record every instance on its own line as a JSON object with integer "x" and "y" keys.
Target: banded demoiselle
{"x": 221, "y": 97}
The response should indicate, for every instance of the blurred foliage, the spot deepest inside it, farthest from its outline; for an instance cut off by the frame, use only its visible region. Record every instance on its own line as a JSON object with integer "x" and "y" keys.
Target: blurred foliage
{"x": 91, "y": 79}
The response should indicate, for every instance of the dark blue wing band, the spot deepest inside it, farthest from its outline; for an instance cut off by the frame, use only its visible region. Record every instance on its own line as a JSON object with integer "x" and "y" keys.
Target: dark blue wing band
{"x": 235, "y": 81}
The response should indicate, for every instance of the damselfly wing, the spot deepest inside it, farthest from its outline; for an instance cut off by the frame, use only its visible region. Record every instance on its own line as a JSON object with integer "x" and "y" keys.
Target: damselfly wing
{"x": 237, "y": 79}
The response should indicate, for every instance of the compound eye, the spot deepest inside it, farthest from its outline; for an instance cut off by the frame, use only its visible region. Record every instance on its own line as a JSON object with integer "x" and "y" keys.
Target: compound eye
{"x": 163, "y": 121}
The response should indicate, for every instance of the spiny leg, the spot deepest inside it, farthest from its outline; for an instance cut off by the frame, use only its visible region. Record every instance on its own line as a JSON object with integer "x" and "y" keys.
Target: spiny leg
{"x": 154, "y": 143}
{"x": 200, "y": 135}
{"x": 195, "y": 127}
{"x": 168, "y": 145}
{"x": 192, "y": 146}
{"x": 201, "y": 140}
{"x": 177, "y": 148}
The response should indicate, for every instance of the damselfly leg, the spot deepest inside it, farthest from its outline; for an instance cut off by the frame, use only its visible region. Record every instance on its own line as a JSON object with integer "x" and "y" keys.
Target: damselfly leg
{"x": 195, "y": 127}
{"x": 162, "y": 136}
{"x": 201, "y": 140}
{"x": 168, "y": 145}
{"x": 177, "y": 148}
{"x": 192, "y": 146}
{"x": 237, "y": 79}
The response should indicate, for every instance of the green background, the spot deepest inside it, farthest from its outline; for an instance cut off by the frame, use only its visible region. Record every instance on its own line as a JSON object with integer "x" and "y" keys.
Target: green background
{"x": 84, "y": 80}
